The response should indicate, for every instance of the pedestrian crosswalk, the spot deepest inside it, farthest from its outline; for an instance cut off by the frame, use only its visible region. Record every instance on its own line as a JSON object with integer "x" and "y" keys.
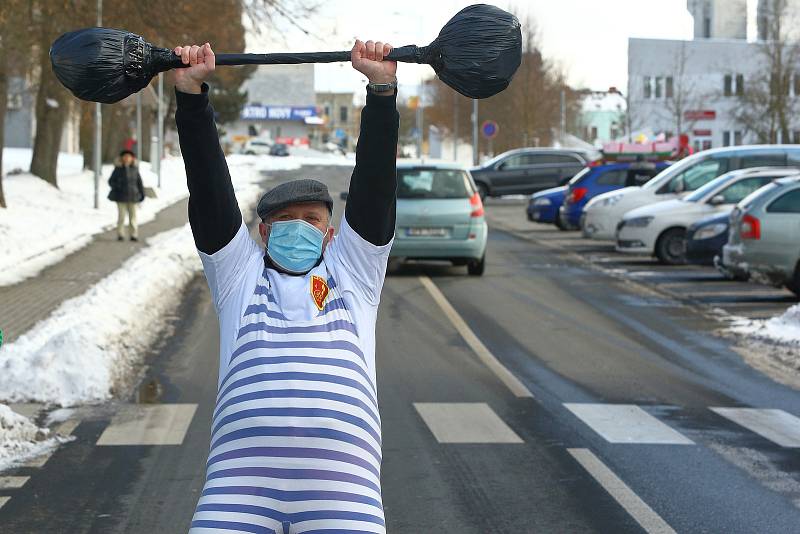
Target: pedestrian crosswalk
{"x": 149, "y": 424}
{"x": 627, "y": 423}
{"x": 775, "y": 425}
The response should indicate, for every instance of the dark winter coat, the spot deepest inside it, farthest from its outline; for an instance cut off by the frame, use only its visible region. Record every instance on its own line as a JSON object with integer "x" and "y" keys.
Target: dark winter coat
{"x": 126, "y": 184}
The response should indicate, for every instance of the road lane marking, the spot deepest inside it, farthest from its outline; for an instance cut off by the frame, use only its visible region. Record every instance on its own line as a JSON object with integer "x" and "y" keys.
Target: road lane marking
{"x": 12, "y": 482}
{"x": 151, "y": 424}
{"x": 626, "y": 423}
{"x": 505, "y": 376}
{"x": 647, "y": 518}
{"x": 39, "y": 461}
{"x": 65, "y": 428}
{"x": 4, "y": 500}
{"x": 465, "y": 422}
{"x": 775, "y": 425}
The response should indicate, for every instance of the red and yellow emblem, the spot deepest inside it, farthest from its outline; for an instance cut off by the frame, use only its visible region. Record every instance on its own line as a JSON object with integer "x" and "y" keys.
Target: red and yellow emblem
{"x": 319, "y": 291}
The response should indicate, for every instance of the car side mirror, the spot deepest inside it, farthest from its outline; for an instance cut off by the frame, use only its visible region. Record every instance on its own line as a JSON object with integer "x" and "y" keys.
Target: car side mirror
{"x": 343, "y": 195}
{"x": 717, "y": 200}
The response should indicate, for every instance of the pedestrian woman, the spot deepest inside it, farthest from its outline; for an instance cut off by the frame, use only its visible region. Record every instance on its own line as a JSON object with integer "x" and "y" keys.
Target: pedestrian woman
{"x": 127, "y": 191}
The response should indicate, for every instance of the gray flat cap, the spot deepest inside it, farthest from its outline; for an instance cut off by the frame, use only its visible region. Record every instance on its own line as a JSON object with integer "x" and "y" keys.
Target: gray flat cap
{"x": 293, "y": 192}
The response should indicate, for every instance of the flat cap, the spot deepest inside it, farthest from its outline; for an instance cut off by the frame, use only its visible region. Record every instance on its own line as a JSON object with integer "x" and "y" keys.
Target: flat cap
{"x": 293, "y": 192}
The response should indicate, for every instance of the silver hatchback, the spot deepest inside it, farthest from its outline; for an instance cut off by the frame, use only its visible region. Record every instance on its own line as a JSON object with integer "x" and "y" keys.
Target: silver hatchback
{"x": 764, "y": 239}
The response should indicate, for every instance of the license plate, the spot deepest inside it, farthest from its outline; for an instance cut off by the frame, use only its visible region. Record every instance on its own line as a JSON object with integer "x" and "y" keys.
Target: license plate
{"x": 427, "y": 232}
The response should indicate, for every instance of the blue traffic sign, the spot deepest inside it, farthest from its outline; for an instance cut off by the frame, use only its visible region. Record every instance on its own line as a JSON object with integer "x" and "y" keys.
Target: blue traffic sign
{"x": 489, "y": 129}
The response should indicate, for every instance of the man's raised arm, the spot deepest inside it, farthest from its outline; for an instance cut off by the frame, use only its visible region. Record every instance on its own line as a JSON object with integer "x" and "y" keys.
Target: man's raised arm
{"x": 371, "y": 202}
{"x": 213, "y": 212}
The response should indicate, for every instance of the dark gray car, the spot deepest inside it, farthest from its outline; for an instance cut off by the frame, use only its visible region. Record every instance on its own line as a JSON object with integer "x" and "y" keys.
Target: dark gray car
{"x": 528, "y": 170}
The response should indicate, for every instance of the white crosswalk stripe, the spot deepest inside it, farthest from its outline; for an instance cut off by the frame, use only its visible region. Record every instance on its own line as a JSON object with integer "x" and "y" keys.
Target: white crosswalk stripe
{"x": 777, "y": 426}
{"x": 151, "y": 424}
{"x": 626, "y": 423}
{"x": 4, "y": 500}
{"x": 12, "y": 482}
{"x": 465, "y": 422}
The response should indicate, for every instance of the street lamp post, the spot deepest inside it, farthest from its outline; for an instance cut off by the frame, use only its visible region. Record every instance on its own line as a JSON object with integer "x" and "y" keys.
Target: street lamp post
{"x": 98, "y": 128}
{"x": 475, "y": 159}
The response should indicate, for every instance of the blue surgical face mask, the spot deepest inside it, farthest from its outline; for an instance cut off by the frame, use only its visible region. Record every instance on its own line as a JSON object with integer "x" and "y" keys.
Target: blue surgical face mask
{"x": 294, "y": 246}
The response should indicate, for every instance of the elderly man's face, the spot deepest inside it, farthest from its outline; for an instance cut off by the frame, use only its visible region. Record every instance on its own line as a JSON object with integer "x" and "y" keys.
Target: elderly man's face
{"x": 314, "y": 213}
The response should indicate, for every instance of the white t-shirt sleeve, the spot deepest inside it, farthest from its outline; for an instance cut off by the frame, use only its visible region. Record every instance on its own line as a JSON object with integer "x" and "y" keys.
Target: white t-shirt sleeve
{"x": 226, "y": 270}
{"x": 363, "y": 262}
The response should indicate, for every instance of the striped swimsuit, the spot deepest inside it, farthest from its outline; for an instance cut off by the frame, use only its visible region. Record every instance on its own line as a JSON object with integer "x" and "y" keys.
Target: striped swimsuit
{"x": 295, "y": 436}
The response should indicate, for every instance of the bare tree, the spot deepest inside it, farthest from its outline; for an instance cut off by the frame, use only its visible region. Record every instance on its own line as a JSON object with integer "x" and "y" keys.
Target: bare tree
{"x": 770, "y": 97}
{"x": 683, "y": 95}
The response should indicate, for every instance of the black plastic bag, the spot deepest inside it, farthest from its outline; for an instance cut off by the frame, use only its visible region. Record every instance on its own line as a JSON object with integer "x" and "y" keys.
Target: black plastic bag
{"x": 476, "y": 53}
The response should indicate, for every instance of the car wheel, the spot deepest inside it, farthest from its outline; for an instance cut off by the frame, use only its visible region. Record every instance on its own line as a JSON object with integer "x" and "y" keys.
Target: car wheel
{"x": 250, "y": 153}
{"x": 483, "y": 190}
{"x": 670, "y": 247}
{"x": 794, "y": 284}
{"x": 560, "y": 224}
{"x": 476, "y": 267}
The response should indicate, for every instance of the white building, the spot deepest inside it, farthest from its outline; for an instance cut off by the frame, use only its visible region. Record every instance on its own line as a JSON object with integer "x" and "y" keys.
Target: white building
{"x": 692, "y": 87}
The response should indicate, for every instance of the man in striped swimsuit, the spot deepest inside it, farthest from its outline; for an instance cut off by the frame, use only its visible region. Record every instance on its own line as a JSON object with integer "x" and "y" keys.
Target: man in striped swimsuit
{"x": 295, "y": 436}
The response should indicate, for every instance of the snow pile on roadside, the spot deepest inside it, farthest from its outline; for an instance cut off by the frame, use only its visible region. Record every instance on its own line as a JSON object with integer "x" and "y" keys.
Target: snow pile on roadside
{"x": 43, "y": 224}
{"x": 20, "y": 439}
{"x": 90, "y": 342}
{"x": 93, "y": 343}
{"x": 784, "y": 329}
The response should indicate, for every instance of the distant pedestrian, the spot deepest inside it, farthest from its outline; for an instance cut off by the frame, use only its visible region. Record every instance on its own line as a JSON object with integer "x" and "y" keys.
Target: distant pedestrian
{"x": 127, "y": 190}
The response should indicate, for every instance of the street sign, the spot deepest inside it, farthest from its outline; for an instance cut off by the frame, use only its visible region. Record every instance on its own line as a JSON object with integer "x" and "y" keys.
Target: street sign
{"x": 489, "y": 129}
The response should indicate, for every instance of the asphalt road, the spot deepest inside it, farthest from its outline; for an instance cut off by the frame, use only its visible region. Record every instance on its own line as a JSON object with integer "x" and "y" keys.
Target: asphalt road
{"x": 618, "y": 434}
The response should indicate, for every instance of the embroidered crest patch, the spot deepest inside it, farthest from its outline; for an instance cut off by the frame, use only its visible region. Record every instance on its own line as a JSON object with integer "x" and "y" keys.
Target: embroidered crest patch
{"x": 319, "y": 291}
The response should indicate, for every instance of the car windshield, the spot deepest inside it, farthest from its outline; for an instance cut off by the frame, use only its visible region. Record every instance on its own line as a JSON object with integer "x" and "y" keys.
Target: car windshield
{"x": 673, "y": 170}
{"x": 701, "y": 193}
{"x": 433, "y": 183}
{"x": 578, "y": 177}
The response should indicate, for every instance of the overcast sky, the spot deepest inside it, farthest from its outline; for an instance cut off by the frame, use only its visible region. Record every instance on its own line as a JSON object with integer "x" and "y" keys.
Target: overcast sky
{"x": 589, "y": 38}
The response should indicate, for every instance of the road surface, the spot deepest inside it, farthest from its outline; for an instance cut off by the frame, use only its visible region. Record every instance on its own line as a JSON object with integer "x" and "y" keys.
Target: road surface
{"x": 545, "y": 396}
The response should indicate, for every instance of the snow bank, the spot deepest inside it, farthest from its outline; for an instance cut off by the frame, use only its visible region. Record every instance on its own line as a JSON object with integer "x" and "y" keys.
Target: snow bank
{"x": 43, "y": 224}
{"x": 20, "y": 439}
{"x": 92, "y": 343}
{"x": 784, "y": 329}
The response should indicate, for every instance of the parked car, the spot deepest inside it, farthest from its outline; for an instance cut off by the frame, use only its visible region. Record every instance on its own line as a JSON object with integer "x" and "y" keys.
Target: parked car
{"x": 604, "y": 212}
{"x": 706, "y": 237}
{"x": 599, "y": 179}
{"x": 439, "y": 216}
{"x": 279, "y": 149}
{"x": 527, "y": 170}
{"x": 763, "y": 239}
{"x": 660, "y": 229}
{"x": 543, "y": 206}
{"x": 255, "y": 147}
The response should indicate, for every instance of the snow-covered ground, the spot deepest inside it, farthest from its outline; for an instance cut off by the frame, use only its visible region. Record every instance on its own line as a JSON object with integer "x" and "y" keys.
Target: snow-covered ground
{"x": 21, "y": 439}
{"x": 783, "y": 329}
{"x": 43, "y": 224}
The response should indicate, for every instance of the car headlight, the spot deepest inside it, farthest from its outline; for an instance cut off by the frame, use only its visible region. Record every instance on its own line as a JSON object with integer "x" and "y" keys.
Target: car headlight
{"x": 542, "y": 202}
{"x": 711, "y": 231}
{"x": 638, "y": 222}
{"x": 610, "y": 201}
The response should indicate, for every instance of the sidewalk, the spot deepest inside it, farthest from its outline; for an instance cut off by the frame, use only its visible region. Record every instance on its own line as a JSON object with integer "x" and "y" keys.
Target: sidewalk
{"x": 31, "y": 300}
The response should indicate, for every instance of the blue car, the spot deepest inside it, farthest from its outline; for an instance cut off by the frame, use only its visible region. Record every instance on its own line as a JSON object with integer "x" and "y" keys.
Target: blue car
{"x": 543, "y": 206}
{"x": 595, "y": 180}
{"x": 706, "y": 237}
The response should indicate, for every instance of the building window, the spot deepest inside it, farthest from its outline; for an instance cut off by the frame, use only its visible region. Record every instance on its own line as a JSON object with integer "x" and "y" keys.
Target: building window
{"x": 648, "y": 89}
{"x": 669, "y": 87}
{"x": 796, "y": 137}
{"x": 659, "y": 87}
{"x": 737, "y": 138}
{"x": 732, "y": 138}
{"x": 343, "y": 114}
{"x": 594, "y": 132}
{"x": 707, "y": 27}
{"x": 733, "y": 85}
{"x": 327, "y": 111}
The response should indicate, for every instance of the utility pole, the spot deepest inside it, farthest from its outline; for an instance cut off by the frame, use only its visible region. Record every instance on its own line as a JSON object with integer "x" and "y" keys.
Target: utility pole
{"x": 455, "y": 126}
{"x": 160, "y": 151}
{"x": 98, "y": 128}
{"x": 563, "y": 115}
{"x": 475, "y": 159}
{"x": 419, "y": 121}
{"x": 139, "y": 125}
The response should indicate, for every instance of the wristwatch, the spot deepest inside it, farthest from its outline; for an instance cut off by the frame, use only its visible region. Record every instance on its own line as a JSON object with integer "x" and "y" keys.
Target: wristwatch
{"x": 382, "y": 87}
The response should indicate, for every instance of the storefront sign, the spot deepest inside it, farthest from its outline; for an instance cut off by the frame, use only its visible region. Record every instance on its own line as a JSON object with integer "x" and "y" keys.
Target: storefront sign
{"x": 277, "y": 113}
{"x": 700, "y": 115}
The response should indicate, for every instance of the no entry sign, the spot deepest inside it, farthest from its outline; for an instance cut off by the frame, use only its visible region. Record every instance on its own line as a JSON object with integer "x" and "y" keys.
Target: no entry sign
{"x": 489, "y": 129}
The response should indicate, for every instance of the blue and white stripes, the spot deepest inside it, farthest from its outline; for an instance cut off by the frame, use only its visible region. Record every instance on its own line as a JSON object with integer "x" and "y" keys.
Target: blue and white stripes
{"x": 296, "y": 443}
